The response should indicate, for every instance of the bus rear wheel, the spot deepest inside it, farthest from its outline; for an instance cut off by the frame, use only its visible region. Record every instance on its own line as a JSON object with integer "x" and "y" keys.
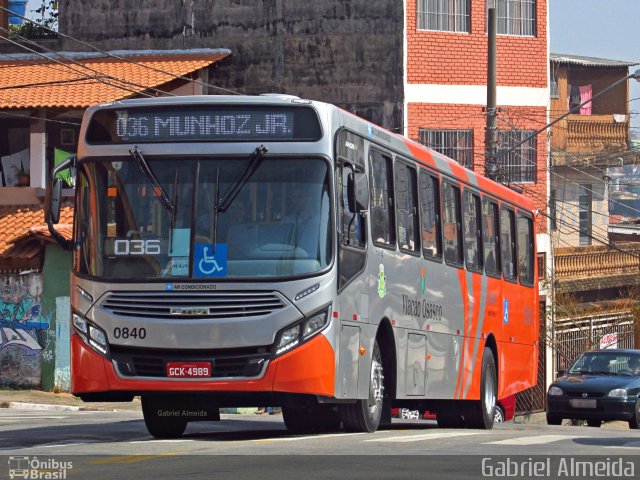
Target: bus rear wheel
{"x": 364, "y": 415}
{"x": 315, "y": 419}
{"x": 159, "y": 420}
{"x": 481, "y": 413}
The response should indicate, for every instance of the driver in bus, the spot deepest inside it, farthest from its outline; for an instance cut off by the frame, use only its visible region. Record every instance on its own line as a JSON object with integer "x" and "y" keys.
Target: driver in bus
{"x": 304, "y": 216}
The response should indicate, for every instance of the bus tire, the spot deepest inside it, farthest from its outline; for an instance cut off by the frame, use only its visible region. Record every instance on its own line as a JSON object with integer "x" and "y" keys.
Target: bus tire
{"x": 315, "y": 419}
{"x": 481, "y": 413}
{"x": 160, "y": 426}
{"x": 364, "y": 415}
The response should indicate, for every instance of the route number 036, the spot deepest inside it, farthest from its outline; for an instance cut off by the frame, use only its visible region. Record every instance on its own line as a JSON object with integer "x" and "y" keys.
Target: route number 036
{"x": 137, "y": 247}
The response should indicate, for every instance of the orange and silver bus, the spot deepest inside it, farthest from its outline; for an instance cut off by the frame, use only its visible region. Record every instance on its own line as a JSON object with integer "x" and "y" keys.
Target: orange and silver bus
{"x": 271, "y": 250}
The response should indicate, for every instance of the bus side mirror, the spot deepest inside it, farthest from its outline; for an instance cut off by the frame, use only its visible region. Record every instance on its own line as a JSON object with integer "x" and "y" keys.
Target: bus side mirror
{"x": 54, "y": 197}
{"x": 54, "y": 203}
{"x": 358, "y": 192}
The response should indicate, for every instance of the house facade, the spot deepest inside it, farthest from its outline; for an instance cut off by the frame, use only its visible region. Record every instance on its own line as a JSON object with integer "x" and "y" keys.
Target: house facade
{"x": 596, "y": 267}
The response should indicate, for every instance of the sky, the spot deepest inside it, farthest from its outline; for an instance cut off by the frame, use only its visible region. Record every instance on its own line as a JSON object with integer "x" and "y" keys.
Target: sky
{"x": 599, "y": 28}
{"x": 595, "y": 28}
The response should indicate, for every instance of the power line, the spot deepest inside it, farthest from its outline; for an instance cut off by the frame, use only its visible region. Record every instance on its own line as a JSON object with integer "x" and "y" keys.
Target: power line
{"x": 125, "y": 59}
{"x": 95, "y": 71}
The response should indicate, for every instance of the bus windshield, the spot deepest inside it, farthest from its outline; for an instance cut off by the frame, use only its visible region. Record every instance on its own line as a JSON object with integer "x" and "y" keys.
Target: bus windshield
{"x": 278, "y": 224}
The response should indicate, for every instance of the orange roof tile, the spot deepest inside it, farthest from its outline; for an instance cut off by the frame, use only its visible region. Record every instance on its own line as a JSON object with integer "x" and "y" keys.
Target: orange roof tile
{"x": 48, "y": 84}
{"x": 19, "y": 221}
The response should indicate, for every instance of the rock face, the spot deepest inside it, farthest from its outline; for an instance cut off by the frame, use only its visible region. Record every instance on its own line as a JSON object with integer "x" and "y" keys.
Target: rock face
{"x": 347, "y": 52}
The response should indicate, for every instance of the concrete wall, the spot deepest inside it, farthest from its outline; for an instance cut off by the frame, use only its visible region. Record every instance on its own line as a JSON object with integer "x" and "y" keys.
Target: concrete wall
{"x": 55, "y": 301}
{"x": 34, "y": 325}
{"x": 347, "y": 52}
{"x": 24, "y": 330}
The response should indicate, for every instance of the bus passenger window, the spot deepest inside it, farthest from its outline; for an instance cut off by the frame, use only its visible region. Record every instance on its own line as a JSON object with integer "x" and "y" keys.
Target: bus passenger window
{"x": 407, "y": 207}
{"x": 508, "y": 243}
{"x": 472, "y": 231}
{"x": 490, "y": 237}
{"x": 382, "y": 218}
{"x": 430, "y": 208}
{"x": 525, "y": 249}
{"x": 452, "y": 225}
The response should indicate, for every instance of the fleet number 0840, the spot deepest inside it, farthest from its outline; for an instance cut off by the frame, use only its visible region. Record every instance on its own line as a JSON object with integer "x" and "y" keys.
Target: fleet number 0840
{"x": 125, "y": 332}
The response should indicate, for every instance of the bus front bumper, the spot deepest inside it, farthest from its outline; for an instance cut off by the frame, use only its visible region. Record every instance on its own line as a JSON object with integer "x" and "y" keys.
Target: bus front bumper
{"x": 308, "y": 369}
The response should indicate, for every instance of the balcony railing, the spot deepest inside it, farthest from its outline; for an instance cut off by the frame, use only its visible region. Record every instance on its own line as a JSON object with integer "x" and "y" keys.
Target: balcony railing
{"x": 591, "y": 133}
{"x": 596, "y": 262}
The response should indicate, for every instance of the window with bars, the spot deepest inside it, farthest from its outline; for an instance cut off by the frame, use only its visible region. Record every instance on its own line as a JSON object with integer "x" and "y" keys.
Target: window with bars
{"x": 517, "y": 165}
{"x": 515, "y": 17}
{"x": 443, "y": 15}
{"x": 456, "y": 144}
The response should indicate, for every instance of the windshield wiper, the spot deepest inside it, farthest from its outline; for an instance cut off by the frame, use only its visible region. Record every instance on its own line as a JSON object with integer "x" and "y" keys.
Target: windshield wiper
{"x": 255, "y": 159}
{"x": 157, "y": 187}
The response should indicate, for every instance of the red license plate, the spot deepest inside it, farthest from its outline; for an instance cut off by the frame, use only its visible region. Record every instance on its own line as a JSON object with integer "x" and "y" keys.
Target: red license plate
{"x": 188, "y": 369}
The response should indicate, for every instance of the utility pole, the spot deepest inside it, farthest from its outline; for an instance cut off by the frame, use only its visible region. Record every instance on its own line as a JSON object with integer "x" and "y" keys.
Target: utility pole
{"x": 490, "y": 165}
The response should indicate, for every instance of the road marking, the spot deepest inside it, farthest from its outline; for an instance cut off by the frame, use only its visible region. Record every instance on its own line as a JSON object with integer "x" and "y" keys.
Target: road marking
{"x": 533, "y": 440}
{"x": 634, "y": 445}
{"x": 132, "y": 458}
{"x": 29, "y": 417}
{"x": 307, "y": 437}
{"x": 176, "y": 440}
{"x": 426, "y": 436}
{"x": 61, "y": 445}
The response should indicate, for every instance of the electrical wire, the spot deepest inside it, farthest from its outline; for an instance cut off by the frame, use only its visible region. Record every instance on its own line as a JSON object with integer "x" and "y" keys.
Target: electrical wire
{"x": 125, "y": 59}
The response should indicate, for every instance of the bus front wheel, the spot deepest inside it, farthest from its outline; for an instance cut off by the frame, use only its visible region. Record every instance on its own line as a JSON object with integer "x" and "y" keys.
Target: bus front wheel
{"x": 364, "y": 415}
{"x": 162, "y": 420}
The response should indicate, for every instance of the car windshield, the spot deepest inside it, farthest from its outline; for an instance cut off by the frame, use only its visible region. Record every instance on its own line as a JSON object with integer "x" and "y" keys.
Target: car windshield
{"x": 607, "y": 363}
{"x": 275, "y": 225}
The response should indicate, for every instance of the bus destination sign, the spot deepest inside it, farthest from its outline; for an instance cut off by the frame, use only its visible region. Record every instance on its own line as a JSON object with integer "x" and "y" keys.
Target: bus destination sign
{"x": 211, "y": 123}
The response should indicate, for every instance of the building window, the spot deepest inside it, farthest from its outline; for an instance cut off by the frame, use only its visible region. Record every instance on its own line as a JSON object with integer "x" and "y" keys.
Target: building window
{"x": 517, "y": 163}
{"x": 542, "y": 266}
{"x": 515, "y": 17}
{"x": 456, "y": 144}
{"x": 584, "y": 209}
{"x": 444, "y": 15}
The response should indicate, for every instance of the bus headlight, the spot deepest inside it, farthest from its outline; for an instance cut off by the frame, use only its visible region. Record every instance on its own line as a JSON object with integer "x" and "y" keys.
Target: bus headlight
{"x": 315, "y": 323}
{"x": 90, "y": 334}
{"x": 289, "y": 339}
{"x": 98, "y": 339}
{"x": 301, "y": 331}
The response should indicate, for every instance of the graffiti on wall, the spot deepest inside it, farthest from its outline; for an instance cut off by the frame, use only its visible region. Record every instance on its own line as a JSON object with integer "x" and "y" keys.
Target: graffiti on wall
{"x": 22, "y": 325}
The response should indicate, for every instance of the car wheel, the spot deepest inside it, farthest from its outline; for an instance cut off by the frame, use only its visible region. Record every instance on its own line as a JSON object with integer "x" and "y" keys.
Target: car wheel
{"x": 597, "y": 423}
{"x": 553, "y": 419}
{"x": 634, "y": 423}
{"x": 499, "y": 415}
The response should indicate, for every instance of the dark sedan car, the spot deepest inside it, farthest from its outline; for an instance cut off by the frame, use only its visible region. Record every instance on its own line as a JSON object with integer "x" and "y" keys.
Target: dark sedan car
{"x": 600, "y": 385}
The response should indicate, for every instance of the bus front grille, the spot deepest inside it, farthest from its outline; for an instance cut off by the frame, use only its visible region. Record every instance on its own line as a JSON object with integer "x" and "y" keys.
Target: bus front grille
{"x": 241, "y": 362}
{"x": 176, "y": 305}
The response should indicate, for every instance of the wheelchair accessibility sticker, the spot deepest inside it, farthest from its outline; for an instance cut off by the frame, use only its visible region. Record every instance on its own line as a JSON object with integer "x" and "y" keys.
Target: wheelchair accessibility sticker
{"x": 505, "y": 310}
{"x": 206, "y": 263}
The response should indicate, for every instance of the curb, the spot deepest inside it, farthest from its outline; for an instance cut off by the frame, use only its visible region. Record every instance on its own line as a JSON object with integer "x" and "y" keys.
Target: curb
{"x": 42, "y": 406}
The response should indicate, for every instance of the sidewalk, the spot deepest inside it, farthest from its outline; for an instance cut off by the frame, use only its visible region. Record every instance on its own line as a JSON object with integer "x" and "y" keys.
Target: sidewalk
{"x": 38, "y": 400}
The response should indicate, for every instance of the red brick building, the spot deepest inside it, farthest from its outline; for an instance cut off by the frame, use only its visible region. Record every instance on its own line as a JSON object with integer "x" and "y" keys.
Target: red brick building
{"x": 445, "y": 86}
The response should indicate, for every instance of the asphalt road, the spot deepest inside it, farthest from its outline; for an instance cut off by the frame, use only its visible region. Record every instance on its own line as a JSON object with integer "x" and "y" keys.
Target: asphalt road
{"x": 117, "y": 445}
